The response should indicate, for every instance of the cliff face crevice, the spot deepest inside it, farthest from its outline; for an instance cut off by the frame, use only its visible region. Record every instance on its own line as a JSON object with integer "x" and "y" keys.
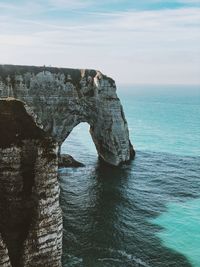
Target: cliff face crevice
{"x": 31, "y": 221}
{"x": 17, "y": 203}
{"x": 62, "y": 98}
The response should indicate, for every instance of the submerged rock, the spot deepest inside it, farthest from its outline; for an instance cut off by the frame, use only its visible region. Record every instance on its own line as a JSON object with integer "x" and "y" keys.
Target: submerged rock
{"x": 66, "y": 161}
{"x": 62, "y": 98}
{"x": 31, "y": 220}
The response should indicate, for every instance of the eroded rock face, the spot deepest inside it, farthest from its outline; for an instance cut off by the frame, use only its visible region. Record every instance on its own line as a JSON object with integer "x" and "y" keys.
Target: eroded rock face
{"x": 62, "y": 98}
{"x": 31, "y": 221}
{"x": 4, "y": 258}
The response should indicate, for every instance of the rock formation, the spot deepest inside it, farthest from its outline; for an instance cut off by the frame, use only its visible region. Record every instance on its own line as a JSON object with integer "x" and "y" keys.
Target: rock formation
{"x": 68, "y": 161}
{"x": 39, "y": 107}
{"x": 30, "y": 215}
{"x": 62, "y": 98}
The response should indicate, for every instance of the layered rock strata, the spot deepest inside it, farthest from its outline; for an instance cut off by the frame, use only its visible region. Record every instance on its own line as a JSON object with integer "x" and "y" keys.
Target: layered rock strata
{"x": 62, "y": 98}
{"x": 30, "y": 215}
{"x": 4, "y": 258}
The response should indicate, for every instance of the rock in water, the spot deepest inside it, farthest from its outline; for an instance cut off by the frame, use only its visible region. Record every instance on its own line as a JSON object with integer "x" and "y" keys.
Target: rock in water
{"x": 31, "y": 220}
{"x": 62, "y": 98}
{"x": 66, "y": 161}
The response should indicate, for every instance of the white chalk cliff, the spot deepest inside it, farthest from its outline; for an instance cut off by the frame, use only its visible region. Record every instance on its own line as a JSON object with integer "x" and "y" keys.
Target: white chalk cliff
{"x": 31, "y": 219}
{"x": 31, "y": 134}
{"x": 62, "y": 98}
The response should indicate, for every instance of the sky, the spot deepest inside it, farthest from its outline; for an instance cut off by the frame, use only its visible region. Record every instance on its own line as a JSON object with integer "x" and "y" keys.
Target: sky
{"x": 132, "y": 41}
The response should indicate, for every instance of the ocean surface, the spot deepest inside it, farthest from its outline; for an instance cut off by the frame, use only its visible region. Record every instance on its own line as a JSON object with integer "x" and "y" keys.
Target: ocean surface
{"x": 146, "y": 213}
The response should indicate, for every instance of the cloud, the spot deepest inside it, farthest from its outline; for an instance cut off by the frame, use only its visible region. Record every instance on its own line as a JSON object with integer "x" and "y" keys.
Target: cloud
{"x": 189, "y": 1}
{"x": 68, "y": 4}
{"x": 155, "y": 46}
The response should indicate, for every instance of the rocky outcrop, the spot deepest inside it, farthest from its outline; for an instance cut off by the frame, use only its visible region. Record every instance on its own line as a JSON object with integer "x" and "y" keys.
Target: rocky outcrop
{"x": 31, "y": 220}
{"x": 62, "y": 98}
{"x": 66, "y": 161}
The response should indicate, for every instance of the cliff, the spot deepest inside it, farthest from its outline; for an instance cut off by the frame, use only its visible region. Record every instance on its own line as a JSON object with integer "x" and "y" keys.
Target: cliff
{"x": 62, "y": 98}
{"x": 31, "y": 220}
{"x": 39, "y": 107}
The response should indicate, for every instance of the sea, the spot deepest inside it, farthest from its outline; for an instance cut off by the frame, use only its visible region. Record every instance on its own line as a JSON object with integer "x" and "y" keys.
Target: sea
{"x": 146, "y": 213}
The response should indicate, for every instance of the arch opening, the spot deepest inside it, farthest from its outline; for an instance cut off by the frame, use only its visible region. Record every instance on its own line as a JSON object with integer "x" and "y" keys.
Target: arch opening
{"x": 79, "y": 144}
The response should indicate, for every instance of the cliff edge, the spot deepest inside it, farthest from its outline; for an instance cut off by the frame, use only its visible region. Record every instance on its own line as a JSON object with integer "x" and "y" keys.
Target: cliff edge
{"x": 31, "y": 220}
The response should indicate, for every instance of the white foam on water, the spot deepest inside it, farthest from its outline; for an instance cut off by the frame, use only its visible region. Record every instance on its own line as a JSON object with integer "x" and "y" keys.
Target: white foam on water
{"x": 124, "y": 254}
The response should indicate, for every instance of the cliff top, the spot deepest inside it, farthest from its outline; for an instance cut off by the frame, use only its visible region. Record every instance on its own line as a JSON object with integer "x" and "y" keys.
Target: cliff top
{"x": 75, "y": 74}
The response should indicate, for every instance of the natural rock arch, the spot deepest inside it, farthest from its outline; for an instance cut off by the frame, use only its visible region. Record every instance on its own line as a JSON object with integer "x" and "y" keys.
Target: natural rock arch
{"x": 62, "y": 98}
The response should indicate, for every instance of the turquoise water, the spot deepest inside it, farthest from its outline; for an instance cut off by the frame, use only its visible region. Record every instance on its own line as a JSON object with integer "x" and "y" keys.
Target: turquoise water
{"x": 164, "y": 120}
{"x": 146, "y": 213}
{"x": 181, "y": 229}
